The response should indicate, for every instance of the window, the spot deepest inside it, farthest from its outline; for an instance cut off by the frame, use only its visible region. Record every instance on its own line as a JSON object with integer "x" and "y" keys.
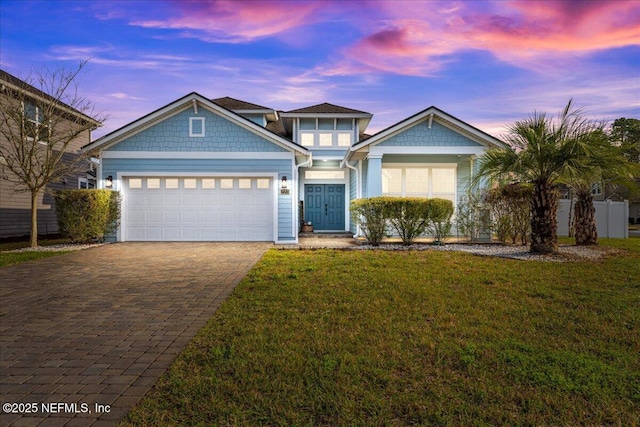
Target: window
{"x": 208, "y": 183}
{"x": 392, "y": 182}
{"x": 596, "y": 189}
{"x": 196, "y": 127}
{"x": 85, "y": 184}
{"x": 135, "y": 183}
{"x": 171, "y": 183}
{"x": 306, "y": 139}
{"x": 244, "y": 183}
{"x": 153, "y": 183}
{"x": 263, "y": 183}
{"x": 344, "y": 140}
{"x": 324, "y": 174}
{"x": 190, "y": 183}
{"x": 325, "y": 133}
{"x": 419, "y": 181}
{"x": 34, "y": 123}
{"x": 226, "y": 183}
{"x": 326, "y": 140}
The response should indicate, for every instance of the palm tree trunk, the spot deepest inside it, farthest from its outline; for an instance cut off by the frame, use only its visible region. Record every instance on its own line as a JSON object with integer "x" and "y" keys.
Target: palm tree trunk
{"x": 544, "y": 223}
{"x": 34, "y": 219}
{"x": 585, "y": 220}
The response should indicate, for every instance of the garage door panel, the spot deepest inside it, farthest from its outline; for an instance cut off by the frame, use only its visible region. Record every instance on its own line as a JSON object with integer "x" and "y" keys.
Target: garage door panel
{"x": 171, "y": 216}
{"x": 206, "y": 209}
{"x": 172, "y": 232}
{"x": 190, "y": 217}
{"x": 171, "y": 198}
{"x": 154, "y": 216}
{"x": 153, "y": 232}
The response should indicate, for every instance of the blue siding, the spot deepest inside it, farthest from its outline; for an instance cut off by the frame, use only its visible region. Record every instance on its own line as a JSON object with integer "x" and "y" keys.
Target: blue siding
{"x": 281, "y": 167}
{"x": 420, "y": 136}
{"x": 172, "y": 134}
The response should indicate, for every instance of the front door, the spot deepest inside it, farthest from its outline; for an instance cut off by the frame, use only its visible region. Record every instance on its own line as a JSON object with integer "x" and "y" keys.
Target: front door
{"x": 324, "y": 206}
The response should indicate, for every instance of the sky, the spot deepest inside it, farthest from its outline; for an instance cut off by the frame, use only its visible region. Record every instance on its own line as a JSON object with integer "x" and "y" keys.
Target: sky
{"x": 489, "y": 63}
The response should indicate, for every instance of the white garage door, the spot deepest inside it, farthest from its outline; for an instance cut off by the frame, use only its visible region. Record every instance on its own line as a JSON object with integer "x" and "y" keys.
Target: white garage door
{"x": 197, "y": 208}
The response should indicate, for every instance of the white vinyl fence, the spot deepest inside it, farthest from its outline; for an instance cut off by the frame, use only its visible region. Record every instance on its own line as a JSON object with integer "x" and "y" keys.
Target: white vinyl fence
{"x": 611, "y": 218}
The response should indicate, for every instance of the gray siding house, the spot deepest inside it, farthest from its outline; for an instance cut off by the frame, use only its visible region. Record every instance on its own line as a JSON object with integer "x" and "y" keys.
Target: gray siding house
{"x": 229, "y": 170}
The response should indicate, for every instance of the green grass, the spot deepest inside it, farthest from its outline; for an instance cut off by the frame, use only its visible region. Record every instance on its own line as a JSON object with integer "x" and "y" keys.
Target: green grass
{"x": 413, "y": 338}
{"x": 10, "y": 258}
{"x": 7, "y": 258}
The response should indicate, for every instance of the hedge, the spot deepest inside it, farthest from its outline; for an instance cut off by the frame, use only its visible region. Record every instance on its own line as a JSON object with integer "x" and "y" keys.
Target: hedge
{"x": 87, "y": 215}
{"x": 409, "y": 216}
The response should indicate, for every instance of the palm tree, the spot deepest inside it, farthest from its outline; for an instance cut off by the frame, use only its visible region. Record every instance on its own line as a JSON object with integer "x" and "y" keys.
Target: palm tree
{"x": 541, "y": 151}
{"x": 603, "y": 164}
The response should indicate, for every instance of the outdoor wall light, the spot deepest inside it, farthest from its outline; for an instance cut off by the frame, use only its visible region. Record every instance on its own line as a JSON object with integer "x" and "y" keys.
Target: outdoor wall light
{"x": 284, "y": 187}
{"x": 108, "y": 182}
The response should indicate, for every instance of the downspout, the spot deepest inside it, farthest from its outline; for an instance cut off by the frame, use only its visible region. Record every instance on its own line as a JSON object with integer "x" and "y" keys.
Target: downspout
{"x": 306, "y": 163}
{"x": 345, "y": 162}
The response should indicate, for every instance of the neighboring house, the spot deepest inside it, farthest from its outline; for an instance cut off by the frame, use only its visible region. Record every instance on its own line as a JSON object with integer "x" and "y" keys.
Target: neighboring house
{"x": 15, "y": 205}
{"x": 224, "y": 169}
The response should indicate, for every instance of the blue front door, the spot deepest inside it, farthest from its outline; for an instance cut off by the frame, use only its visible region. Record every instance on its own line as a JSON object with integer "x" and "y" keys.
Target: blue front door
{"x": 324, "y": 206}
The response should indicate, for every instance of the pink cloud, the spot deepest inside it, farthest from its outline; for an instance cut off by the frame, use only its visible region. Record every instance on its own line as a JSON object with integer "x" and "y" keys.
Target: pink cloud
{"x": 234, "y": 21}
{"x": 415, "y": 38}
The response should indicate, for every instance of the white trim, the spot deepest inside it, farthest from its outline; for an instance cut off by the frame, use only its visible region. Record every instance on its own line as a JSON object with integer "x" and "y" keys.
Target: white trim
{"x": 191, "y": 121}
{"x": 99, "y": 179}
{"x": 269, "y": 155}
{"x": 452, "y": 150}
{"x": 444, "y": 119}
{"x": 420, "y": 165}
{"x": 186, "y": 174}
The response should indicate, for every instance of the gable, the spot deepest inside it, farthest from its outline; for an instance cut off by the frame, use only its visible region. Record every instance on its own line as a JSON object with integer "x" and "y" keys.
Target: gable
{"x": 420, "y": 135}
{"x": 172, "y": 134}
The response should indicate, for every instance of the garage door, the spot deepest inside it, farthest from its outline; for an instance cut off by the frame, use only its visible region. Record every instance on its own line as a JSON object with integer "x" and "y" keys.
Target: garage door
{"x": 197, "y": 208}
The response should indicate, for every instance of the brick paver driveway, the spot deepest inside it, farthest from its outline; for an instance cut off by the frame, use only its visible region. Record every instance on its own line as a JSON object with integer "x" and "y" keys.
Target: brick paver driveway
{"x": 100, "y": 326}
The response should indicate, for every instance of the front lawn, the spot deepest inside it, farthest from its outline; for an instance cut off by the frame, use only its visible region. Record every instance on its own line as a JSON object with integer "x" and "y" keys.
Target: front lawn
{"x": 10, "y": 258}
{"x": 361, "y": 338}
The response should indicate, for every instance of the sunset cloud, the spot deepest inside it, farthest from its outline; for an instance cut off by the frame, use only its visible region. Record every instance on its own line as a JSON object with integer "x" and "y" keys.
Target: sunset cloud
{"x": 412, "y": 38}
{"x": 233, "y": 21}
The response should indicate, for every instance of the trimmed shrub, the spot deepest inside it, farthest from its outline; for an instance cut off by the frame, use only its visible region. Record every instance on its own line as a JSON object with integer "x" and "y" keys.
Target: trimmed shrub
{"x": 87, "y": 215}
{"x": 409, "y": 216}
{"x": 440, "y": 212}
{"x": 371, "y": 215}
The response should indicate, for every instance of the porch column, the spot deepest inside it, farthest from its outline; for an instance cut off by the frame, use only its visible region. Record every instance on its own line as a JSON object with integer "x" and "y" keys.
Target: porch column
{"x": 374, "y": 175}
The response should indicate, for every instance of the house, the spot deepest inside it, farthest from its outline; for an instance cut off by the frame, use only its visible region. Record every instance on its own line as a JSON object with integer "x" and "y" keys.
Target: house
{"x": 30, "y": 102}
{"x": 225, "y": 169}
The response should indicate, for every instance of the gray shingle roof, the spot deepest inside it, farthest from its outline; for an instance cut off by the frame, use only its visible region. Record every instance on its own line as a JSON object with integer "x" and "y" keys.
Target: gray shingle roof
{"x": 237, "y": 104}
{"x": 326, "y": 108}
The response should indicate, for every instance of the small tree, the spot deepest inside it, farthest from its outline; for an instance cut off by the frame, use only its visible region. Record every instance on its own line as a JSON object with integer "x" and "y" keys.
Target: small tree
{"x": 472, "y": 217}
{"x": 39, "y": 119}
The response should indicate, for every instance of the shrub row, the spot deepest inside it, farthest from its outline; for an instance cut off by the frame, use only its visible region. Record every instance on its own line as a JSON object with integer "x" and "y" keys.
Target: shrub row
{"x": 511, "y": 212}
{"x": 87, "y": 215}
{"x": 409, "y": 216}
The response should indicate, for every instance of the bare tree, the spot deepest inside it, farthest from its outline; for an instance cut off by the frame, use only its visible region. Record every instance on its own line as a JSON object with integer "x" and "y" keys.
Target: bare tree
{"x": 41, "y": 121}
